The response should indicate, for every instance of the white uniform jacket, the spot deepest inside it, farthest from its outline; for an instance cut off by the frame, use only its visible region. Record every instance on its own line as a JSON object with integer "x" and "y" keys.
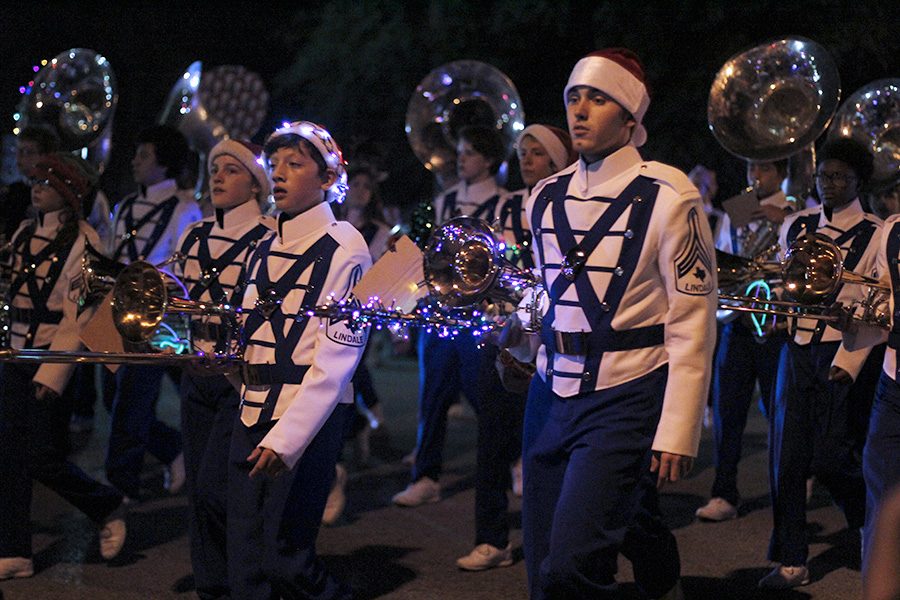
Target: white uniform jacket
{"x": 224, "y": 243}
{"x": 516, "y": 235}
{"x": 852, "y": 229}
{"x": 726, "y": 235}
{"x": 476, "y": 200}
{"x": 147, "y": 225}
{"x": 59, "y": 331}
{"x": 312, "y": 258}
{"x": 650, "y": 290}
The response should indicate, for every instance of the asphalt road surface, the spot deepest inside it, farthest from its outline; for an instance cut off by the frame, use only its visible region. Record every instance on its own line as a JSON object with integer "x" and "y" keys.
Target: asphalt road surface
{"x": 405, "y": 554}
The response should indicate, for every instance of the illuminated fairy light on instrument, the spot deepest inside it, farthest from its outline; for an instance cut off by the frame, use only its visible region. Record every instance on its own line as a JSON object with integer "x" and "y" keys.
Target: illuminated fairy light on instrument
{"x": 167, "y": 338}
{"x": 446, "y": 323}
{"x": 761, "y": 290}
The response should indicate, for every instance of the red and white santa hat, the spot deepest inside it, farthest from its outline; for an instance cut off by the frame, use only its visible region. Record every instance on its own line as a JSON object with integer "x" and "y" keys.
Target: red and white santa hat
{"x": 618, "y": 73}
{"x": 249, "y": 155}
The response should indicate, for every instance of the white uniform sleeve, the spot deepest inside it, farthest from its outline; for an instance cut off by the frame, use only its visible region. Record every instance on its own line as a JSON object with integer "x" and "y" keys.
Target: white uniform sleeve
{"x": 859, "y": 335}
{"x": 690, "y": 333}
{"x": 56, "y": 375}
{"x": 852, "y": 360}
{"x": 331, "y": 368}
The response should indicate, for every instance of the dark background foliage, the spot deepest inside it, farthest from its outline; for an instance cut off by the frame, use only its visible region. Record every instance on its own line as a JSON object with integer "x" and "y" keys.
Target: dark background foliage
{"x": 354, "y": 65}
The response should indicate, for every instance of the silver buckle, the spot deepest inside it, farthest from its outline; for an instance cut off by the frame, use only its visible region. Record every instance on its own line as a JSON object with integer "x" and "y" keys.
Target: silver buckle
{"x": 572, "y": 343}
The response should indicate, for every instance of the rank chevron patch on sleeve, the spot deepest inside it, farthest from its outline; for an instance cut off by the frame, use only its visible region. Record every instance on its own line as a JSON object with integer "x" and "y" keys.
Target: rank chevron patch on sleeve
{"x": 693, "y": 265}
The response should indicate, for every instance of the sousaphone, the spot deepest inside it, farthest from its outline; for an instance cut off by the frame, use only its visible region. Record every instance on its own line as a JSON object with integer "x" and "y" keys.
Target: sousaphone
{"x": 773, "y": 101}
{"x": 75, "y": 95}
{"x": 768, "y": 103}
{"x": 871, "y": 116}
{"x": 228, "y": 101}
{"x": 454, "y": 95}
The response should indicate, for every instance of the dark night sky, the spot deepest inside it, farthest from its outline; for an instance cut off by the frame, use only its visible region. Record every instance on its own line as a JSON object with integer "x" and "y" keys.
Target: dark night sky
{"x": 683, "y": 45}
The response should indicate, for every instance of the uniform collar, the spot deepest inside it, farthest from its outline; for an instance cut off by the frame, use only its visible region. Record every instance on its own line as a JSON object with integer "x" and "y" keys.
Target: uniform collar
{"x": 844, "y": 218}
{"x": 589, "y": 175}
{"x": 238, "y": 215}
{"x": 158, "y": 192}
{"x": 312, "y": 220}
{"x": 477, "y": 192}
{"x": 50, "y": 220}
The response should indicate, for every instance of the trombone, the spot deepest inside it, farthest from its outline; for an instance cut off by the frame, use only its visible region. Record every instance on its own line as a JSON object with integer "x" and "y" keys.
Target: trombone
{"x": 811, "y": 273}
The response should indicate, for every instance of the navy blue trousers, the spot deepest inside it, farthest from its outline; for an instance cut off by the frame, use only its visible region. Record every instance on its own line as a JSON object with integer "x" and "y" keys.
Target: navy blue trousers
{"x": 208, "y": 412}
{"x": 740, "y": 362}
{"x": 589, "y": 492}
{"x": 134, "y": 428}
{"x": 33, "y": 445}
{"x": 881, "y": 458}
{"x": 448, "y": 366}
{"x": 814, "y": 431}
{"x": 273, "y": 523}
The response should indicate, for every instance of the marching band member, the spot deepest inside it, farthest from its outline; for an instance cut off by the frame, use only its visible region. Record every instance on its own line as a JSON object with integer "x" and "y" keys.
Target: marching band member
{"x": 295, "y": 398}
{"x": 822, "y": 386}
{"x": 46, "y": 261}
{"x": 147, "y": 226}
{"x": 448, "y": 365}
{"x": 542, "y": 150}
{"x": 215, "y": 252}
{"x": 742, "y": 357}
{"x": 33, "y": 143}
{"x": 623, "y": 365}
{"x": 881, "y": 457}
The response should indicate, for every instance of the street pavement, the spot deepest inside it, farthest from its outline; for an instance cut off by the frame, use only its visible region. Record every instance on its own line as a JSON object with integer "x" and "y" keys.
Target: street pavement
{"x": 408, "y": 554}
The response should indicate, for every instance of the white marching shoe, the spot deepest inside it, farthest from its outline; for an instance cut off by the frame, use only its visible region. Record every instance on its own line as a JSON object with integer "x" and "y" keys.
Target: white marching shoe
{"x": 717, "y": 509}
{"x": 424, "y": 491}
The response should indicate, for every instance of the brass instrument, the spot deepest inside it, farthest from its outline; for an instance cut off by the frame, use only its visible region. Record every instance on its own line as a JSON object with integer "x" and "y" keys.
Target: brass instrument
{"x": 871, "y": 115}
{"x": 772, "y": 102}
{"x": 75, "y": 94}
{"x": 768, "y": 103}
{"x": 151, "y": 312}
{"x": 454, "y": 95}
{"x": 228, "y": 101}
{"x": 464, "y": 265}
{"x": 811, "y": 272}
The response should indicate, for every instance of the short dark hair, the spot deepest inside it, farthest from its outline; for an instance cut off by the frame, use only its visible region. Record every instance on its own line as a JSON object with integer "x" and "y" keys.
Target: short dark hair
{"x": 293, "y": 140}
{"x": 851, "y": 152}
{"x": 44, "y": 136}
{"x": 172, "y": 150}
{"x": 487, "y": 142}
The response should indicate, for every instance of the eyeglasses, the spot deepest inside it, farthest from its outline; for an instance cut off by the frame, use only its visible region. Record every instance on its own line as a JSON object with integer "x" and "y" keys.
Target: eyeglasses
{"x": 837, "y": 178}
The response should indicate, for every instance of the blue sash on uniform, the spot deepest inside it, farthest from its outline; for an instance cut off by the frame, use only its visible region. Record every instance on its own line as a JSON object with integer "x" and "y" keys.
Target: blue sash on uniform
{"x": 166, "y": 210}
{"x": 54, "y": 251}
{"x": 284, "y": 371}
{"x": 640, "y": 195}
{"x": 859, "y": 237}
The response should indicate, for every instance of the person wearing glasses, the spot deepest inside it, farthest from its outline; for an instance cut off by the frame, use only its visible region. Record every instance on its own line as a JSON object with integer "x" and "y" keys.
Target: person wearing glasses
{"x": 822, "y": 386}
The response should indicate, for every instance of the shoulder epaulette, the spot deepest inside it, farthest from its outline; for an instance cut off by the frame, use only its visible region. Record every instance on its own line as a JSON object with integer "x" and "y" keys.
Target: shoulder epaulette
{"x": 670, "y": 177}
